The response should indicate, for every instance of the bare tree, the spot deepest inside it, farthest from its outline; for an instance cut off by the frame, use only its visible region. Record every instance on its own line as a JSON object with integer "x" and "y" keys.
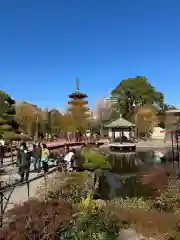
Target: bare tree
{"x": 102, "y": 112}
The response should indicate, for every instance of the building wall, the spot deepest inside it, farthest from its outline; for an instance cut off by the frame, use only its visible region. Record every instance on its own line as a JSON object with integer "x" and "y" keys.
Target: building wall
{"x": 171, "y": 121}
{"x": 158, "y": 133}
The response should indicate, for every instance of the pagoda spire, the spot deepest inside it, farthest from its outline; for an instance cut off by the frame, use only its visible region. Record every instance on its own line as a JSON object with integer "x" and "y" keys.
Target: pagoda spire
{"x": 77, "y": 94}
{"x": 77, "y": 84}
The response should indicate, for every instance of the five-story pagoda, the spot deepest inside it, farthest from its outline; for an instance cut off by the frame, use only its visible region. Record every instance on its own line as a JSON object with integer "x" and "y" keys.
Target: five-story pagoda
{"x": 78, "y": 109}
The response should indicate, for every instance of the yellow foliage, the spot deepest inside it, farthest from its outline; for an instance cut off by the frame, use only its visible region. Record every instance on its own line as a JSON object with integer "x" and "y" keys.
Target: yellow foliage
{"x": 26, "y": 114}
{"x": 88, "y": 203}
{"x": 146, "y": 120}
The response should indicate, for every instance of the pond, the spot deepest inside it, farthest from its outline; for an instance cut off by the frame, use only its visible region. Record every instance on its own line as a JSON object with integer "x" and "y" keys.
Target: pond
{"x": 122, "y": 180}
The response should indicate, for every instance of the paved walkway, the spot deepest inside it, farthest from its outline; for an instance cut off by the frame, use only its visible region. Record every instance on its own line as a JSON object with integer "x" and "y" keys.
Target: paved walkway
{"x": 20, "y": 193}
{"x": 11, "y": 174}
{"x": 153, "y": 144}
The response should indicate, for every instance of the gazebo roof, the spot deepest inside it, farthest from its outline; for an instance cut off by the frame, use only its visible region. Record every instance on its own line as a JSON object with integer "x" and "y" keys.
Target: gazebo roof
{"x": 120, "y": 123}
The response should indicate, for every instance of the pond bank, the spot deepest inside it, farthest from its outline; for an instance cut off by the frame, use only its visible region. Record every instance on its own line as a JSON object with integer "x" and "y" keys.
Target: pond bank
{"x": 135, "y": 214}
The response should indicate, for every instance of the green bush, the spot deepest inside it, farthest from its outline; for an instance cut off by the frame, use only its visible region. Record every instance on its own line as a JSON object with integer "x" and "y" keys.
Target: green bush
{"x": 70, "y": 186}
{"x": 132, "y": 203}
{"x": 91, "y": 225}
{"x": 94, "y": 166}
{"x": 93, "y": 159}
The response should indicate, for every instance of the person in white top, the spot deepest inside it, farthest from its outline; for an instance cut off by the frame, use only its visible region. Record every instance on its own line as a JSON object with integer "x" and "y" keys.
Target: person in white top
{"x": 2, "y": 142}
{"x": 69, "y": 159}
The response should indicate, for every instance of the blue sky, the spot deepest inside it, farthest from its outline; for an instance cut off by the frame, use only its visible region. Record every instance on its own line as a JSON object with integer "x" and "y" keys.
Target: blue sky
{"x": 45, "y": 44}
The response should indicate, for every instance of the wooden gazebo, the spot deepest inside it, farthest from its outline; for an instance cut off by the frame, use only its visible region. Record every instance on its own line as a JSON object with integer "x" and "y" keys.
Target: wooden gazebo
{"x": 124, "y": 131}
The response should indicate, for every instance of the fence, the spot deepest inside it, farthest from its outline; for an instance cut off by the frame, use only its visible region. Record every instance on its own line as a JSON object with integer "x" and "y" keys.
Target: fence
{"x": 175, "y": 139}
{"x": 4, "y": 200}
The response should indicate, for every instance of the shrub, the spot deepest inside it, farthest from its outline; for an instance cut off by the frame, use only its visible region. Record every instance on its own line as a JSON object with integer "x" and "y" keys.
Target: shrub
{"x": 132, "y": 203}
{"x": 70, "y": 186}
{"x": 36, "y": 220}
{"x": 94, "y": 159}
{"x": 90, "y": 222}
{"x": 156, "y": 179}
{"x": 58, "y": 220}
{"x": 93, "y": 225}
{"x": 94, "y": 166}
{"x": 169, "y": 200}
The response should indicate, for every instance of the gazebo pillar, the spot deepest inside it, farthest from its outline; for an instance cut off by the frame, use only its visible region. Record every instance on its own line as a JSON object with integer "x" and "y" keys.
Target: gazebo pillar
{"x": 113, "y": 134}
{"x": 122, "y": 132}
{"x": 120, "y": 135}
{"x": 130, "y": 133}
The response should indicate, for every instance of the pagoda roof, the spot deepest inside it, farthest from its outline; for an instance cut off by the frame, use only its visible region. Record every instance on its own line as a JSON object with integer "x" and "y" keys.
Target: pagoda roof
{"x": 120, "y": 123}
{"x": 77, "y": 95}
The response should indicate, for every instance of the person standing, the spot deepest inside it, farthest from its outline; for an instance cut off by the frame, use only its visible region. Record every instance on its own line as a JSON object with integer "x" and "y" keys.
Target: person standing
{"x": 18, "y": 149}
{"x": 69, "y": 159}
{"x": 45, "y": 157}
{"x": 33, "y": 156}
{"x": 24, "y": 162}
{"x": 2, "y": 151}
{"x": 37, "y": 151}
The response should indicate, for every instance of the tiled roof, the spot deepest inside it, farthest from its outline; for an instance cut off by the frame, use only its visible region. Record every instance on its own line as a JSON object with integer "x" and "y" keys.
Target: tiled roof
{"x": 120, "y": 122}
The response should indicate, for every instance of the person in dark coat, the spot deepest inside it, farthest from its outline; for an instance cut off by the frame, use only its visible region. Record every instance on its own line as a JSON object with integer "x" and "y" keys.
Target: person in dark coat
{"x": 24, "y": 162}
{"x": 1, "y": 151}
{"x": 37, "y": 151}
{"x": 18, "y": 149}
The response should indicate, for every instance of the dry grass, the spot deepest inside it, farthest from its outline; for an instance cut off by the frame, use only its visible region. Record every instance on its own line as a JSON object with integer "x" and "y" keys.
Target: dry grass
{"x": 151, "y": 223}
{"x": 156, "y": 179}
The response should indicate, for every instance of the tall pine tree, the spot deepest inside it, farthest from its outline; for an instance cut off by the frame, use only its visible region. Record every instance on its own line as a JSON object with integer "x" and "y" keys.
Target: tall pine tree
{"x": 8, "y": 126}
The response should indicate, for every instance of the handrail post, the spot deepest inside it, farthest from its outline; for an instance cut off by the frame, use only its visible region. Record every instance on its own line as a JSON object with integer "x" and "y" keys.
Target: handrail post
{"x": 172, "y": 143}
{"x": 1, "y": 207}
{"x": 177, "y": 146}
{"x": 28, "y": 189}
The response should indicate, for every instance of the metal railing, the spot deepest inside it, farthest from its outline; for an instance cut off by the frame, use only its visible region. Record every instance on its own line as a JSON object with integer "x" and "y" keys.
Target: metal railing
{"x": 175, "y": 139}
{"x": 4, "y": 200}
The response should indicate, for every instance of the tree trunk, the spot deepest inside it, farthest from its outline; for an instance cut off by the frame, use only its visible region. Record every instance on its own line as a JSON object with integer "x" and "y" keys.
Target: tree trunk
{"x": 30, "y": 130}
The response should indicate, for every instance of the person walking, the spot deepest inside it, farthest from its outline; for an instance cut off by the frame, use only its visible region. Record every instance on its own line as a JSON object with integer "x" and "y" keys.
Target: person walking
{"x": 18, "y": 149}
{"x": 33, "y": 156}
{"x": 2, "y": 151}
{"x": 45, "y": 157}
{"x": 37, "y": 151}
{"x": 24, "y": 162}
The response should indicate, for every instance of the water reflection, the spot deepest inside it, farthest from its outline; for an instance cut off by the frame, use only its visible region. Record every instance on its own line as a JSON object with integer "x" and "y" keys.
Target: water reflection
{"x": 123, "y": 163}
{"x": 122, "y": 181}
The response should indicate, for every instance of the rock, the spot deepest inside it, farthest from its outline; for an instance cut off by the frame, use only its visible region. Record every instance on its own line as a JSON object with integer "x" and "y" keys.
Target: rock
{"x": 146, "y": 238}
{"x": 128, "y": 234}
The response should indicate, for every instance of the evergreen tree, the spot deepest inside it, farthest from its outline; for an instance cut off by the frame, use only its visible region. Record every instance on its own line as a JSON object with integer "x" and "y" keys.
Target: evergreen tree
{"x": 9, "y": 128}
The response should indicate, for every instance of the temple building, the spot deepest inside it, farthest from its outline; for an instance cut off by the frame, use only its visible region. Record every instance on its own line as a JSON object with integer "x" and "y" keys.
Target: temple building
{"x": 77, "y": 98}
{"x": 78, "y": 109}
